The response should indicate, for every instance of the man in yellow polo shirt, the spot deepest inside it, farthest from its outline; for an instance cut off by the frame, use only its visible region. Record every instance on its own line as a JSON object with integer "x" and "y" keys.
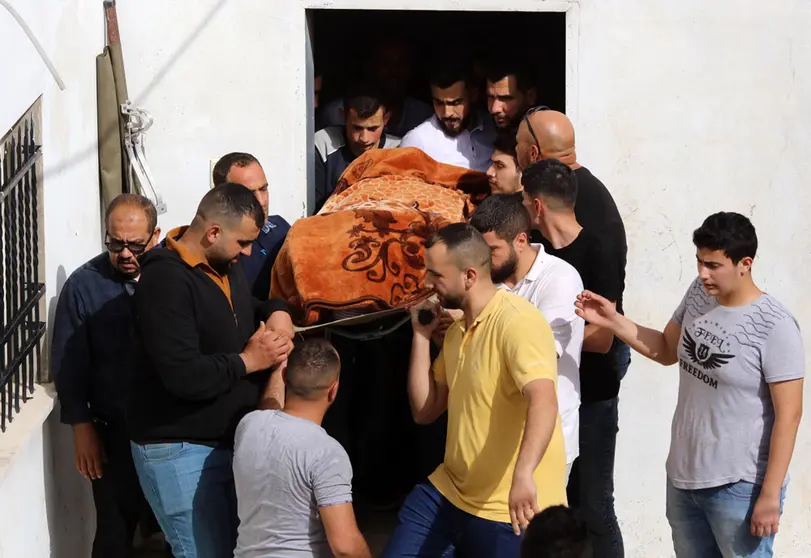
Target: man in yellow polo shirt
{"x": 496, "y": 376}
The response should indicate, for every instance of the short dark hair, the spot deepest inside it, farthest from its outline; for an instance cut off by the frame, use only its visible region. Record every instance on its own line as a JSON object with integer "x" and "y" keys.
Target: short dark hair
{"x": 503, "y": 66}
{"x": 503, "y": 214}
{"x": 311, "y": 368}
{"x": 549, "y": 178}
{"x": 222, "y": 167}
{"x": 731, "y": 233}
{"x": 135, "y": 200}
{"x": 506, "y": 142}
{"x": 364, "y": 98}
{"x": 556, "y": 532}
{"x": 465, "y": 243}
{"x": 445, "y": 74}
{"x": 232, "y": 202}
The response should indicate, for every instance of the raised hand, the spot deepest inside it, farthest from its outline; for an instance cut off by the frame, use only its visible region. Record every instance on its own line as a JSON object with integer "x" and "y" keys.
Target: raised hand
{"x": 523, "y": 502}
{"x": 280, "y": 322}
{"x": 445, "y": 321}
{"x": 428, "y": 329}
{"x": 595, "y": 309}
{"x": 88, "y": 451}
{"x": 265, "y": 349}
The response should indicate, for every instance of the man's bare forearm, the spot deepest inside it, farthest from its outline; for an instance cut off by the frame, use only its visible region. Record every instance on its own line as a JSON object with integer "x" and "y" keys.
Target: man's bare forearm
{"x": 273, "y": 396}
{"x": 421, "y": 385}
{"x": 540, "y": 425}
{"x": 650, "y": 343}
{"x": 360, "y": 549}
{"x": 781, "y": 448}
{"x": 597, "y": 339}
{"x": 788, "y": 413}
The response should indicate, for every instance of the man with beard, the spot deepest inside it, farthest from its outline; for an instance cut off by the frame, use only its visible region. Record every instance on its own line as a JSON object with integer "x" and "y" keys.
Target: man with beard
{"x": 244, "y": 168}
{"x": 547, "y": 282}
{"x": 337, "y": 146}
{"x": 93, "y": 360}
{"x": 550, "y": 191}
{"x": 496, "y": 376}
{"x": 209, "y": 349}
{"x": 510, "y": 93}
{"x": 504, "y": 174}
{"x": 391, "y": 67}
{"x": 456, "y": 134}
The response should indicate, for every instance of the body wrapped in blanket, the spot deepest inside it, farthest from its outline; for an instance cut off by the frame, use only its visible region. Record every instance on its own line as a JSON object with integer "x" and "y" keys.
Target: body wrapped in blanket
{"x": 365, "y": 250}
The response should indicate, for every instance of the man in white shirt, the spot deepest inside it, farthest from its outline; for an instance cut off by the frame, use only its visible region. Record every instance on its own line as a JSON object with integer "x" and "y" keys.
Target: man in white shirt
{"x": 548, "y": 282}
{"x": 456, "y": 134}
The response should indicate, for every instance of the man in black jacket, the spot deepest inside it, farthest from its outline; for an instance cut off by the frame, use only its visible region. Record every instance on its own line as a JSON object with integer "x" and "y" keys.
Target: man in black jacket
{"x": 206, "y": 365}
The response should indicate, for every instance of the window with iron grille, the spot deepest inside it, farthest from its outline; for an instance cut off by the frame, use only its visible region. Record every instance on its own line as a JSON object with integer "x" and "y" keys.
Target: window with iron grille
{"x": 21, "y": 286}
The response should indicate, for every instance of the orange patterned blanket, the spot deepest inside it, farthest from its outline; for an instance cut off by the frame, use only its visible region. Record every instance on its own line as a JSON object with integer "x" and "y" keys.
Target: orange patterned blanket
{"x": 364, "y": 251}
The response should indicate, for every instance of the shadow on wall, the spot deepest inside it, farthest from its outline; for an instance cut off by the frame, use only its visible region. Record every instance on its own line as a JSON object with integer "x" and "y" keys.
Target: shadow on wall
{"x": 68, "y": 496}
{"x": 69, "y": 499}
{"x": 61, "y": 277}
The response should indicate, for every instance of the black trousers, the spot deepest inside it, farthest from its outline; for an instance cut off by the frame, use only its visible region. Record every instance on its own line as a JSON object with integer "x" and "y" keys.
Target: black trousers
{"x": 117, "y": 495}
{"x": 371, "y": 418}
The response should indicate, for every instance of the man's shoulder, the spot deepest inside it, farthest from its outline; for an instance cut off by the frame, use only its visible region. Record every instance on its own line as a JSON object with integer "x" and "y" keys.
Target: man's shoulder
{"x": 587, "y": 180}
{"x": 772, "y": 315}
{"x": 515, "y": 311}
{"x": 391, "y": 141}
{"x": 275, "y": 224}
{"x": 161, "y": 265}
{"x": 424, "y": 130}
{"x": 696, "y": 300}
{"x": 98, "y": 268}
{"x": 557, "y": 267}
{"x": 329, "y": 140}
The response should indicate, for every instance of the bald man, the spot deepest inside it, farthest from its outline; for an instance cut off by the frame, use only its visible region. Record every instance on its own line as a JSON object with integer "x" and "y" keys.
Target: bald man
{"x": 591, "y": 237}
{"x": 549, "y": 134}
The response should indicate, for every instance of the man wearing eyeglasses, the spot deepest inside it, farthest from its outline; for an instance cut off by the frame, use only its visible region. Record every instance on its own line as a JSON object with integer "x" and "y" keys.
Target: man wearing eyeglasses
{"x": 91, "y": 359}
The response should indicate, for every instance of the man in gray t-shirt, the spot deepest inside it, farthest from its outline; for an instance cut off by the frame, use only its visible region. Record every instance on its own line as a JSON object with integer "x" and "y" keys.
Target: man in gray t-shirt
{"x": 741, "y": 363}
{"x": 293, "y": 481}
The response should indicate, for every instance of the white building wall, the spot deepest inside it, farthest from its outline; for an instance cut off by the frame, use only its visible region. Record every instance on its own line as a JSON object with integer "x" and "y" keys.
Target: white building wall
{"x": 682, "y": 108}
{"x": 46, "y": 507}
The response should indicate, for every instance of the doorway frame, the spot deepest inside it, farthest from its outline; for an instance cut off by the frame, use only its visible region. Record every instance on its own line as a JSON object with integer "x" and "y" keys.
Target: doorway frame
{"x": 570, "y": 7}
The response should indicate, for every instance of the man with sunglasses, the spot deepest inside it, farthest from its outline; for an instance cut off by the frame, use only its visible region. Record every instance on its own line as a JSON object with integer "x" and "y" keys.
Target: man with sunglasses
{"x": 92, "y": 362}
{"x": 549, "y": 134}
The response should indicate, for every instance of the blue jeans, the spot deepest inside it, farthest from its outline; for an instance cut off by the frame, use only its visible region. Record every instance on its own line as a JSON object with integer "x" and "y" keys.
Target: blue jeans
{"x": 191, "y": 490}
{"x": 591, "y": 484}
{"x": 714, "y": 522}
{"x": 431, "y": 527}
{"x": 622, "y": 358}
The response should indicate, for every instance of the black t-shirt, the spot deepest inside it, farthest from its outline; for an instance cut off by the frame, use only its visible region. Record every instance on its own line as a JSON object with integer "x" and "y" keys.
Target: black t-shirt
{"x": 601, "y": 267}
{"x": 597, "y": 213}
{"x": 595, "y": 208}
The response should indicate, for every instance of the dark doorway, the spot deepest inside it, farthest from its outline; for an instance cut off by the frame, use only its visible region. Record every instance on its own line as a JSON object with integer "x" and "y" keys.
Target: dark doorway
{"x": 343, "y": 39}
{"x": 371, "y": 416}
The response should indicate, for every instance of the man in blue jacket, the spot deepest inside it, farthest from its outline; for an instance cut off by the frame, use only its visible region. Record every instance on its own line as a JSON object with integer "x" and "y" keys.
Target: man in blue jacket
{"x": 244, "y": 168}
{"x": 92, "y": 359}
